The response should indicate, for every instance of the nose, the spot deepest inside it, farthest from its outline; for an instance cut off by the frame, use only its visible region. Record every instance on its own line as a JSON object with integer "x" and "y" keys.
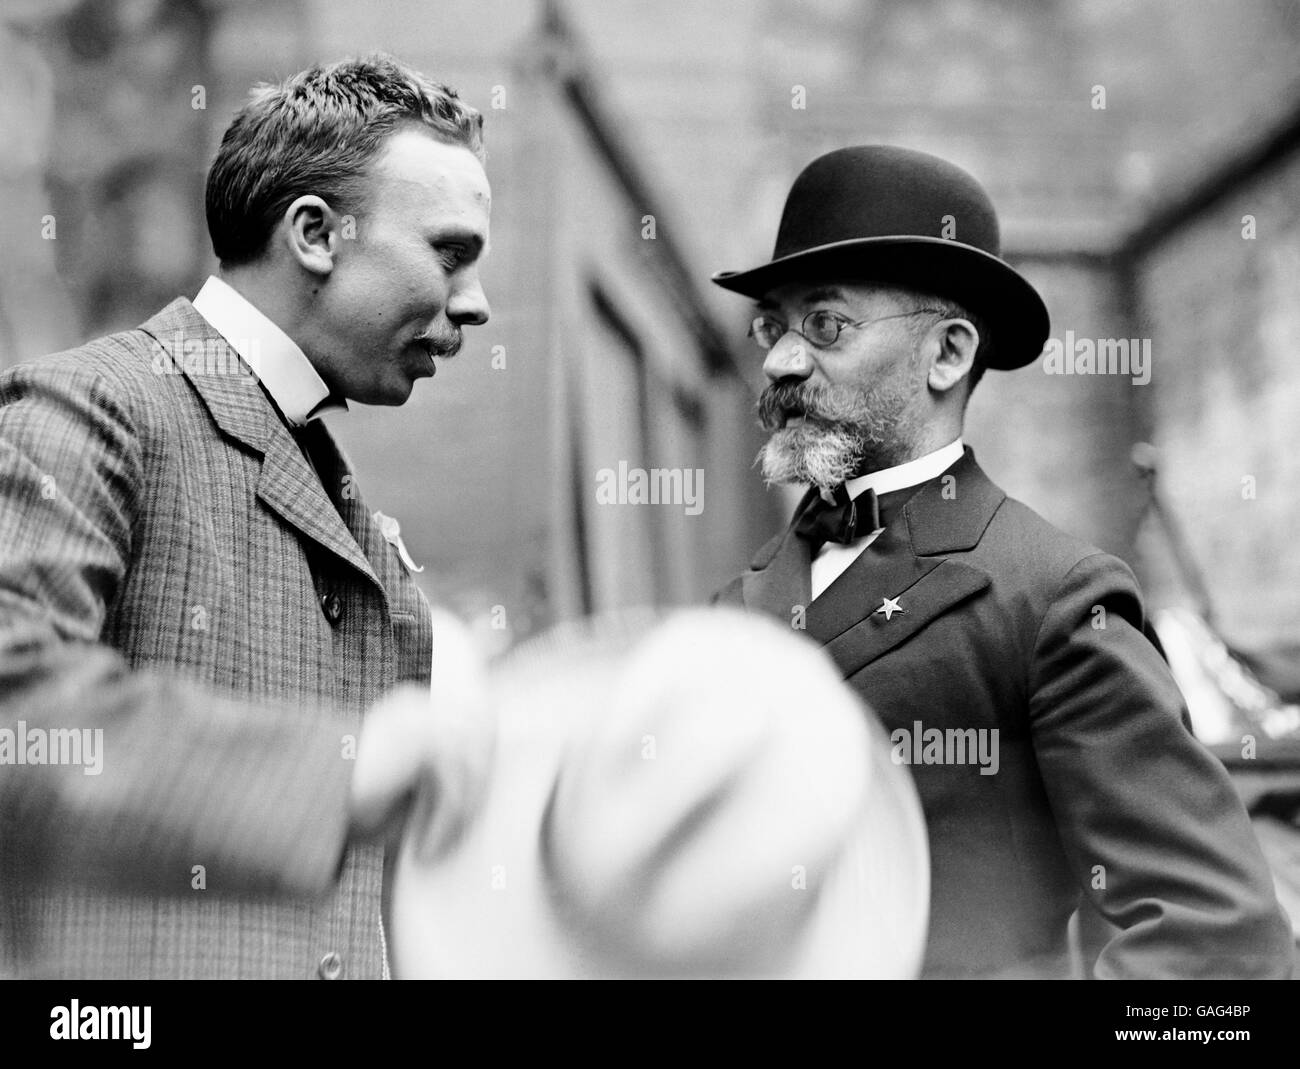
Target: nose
{"x": 467, "y": 304}
{"x": 788, "y": 358}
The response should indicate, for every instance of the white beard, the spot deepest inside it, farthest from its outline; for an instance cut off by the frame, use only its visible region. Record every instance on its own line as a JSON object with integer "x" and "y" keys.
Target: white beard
{"x": 846, "y": 431}
{"x": 825, "y": 455}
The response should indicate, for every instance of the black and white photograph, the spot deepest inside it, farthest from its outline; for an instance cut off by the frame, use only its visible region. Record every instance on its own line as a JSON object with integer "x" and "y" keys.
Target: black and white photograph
{"x": 698, "y": 490}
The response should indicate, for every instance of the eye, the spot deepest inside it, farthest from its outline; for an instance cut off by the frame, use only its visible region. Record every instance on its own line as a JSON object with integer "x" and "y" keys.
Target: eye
{"x": 766, "y": 330}
{"x": 824, "y": 318}
{"x": 823, "y": 326}
{"x": 452, "y": 255}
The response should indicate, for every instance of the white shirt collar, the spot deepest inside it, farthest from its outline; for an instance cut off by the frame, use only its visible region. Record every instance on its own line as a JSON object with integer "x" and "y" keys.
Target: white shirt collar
{"x": 913, "y": 473}
{"x": 295, "y": 387}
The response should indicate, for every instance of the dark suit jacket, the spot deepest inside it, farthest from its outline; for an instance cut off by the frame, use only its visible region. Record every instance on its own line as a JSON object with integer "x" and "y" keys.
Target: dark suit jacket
{"x": 1008, "y": 625}
{"x": 173, "y": 573}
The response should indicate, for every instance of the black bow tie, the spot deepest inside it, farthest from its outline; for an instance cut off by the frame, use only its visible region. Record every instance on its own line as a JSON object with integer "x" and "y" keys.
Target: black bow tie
{"x": 846, "y": 519}
{"x": 841, "y": 520}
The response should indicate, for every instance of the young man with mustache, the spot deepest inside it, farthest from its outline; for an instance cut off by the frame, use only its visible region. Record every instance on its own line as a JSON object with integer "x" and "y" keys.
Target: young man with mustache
{"x": 188, "y": 569}
{"x": 1012, "y": 664}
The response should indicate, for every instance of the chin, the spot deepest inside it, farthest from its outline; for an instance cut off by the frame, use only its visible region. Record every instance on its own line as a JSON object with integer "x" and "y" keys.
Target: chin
{"x": 397, "y": 396}
{"x": 390, "y": 392}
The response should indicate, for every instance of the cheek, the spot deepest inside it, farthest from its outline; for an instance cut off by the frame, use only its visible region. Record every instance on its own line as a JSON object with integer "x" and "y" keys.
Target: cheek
{"x": 903, "y": 375}
{"x": 390, "y": 303}
{"x": 865, "y": 376}
{"x": 388, "y": 278}
{"x": 417, "y": 290}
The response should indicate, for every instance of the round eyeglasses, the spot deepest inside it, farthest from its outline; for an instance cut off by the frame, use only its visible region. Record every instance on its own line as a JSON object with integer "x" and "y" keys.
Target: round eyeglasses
{"x": 821, "y": 327}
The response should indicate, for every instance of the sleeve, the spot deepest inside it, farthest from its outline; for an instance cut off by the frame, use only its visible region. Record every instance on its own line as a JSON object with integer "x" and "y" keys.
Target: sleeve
{"x": 166, "y": 775}
{"x": 1149, "y": 819}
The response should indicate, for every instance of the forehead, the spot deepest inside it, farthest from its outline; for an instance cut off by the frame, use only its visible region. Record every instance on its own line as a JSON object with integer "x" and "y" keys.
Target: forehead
{"x": 417, "y": 172}
{"x": 825, "y": 295}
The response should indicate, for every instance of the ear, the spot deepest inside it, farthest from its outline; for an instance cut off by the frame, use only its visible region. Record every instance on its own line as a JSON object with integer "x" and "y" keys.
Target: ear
{"x": 313, "y": 234}
{"x": 957, "y": 342}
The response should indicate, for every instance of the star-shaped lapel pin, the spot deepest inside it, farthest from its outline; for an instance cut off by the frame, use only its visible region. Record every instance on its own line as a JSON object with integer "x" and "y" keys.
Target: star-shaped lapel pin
{"x": 889, "y": 606}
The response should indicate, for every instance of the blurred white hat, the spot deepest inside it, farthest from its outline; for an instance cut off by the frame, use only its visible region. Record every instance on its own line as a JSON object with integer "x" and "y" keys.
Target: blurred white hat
{"x": 701, "y": 796}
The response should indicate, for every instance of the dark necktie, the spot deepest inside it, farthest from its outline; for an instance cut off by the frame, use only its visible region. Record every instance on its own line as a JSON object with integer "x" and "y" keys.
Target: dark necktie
{"x": 323, "y": 456}
{"x": 845, "y": 520}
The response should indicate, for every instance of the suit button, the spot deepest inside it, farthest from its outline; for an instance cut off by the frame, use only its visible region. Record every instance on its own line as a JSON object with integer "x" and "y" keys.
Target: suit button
{"x": 332, "y": 604}
{"x": 331, "y": 966}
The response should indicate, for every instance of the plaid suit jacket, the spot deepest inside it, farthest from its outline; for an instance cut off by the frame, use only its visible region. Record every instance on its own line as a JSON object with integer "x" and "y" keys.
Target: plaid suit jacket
{"x": 174, "y": 576}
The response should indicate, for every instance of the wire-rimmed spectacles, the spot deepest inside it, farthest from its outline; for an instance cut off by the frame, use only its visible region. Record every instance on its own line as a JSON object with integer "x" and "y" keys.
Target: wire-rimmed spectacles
{"x": 821, "y": 327}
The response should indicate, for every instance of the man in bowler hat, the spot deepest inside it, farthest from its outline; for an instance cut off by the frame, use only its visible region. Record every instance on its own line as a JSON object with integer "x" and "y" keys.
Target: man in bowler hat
{"x": 1052, "y": 753}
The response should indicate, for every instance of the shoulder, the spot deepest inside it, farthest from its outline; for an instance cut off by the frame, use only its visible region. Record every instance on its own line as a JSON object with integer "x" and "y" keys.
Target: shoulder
{"x": 1066, "y": 594}
{"x": 1046, "y": 578}
{"x": 983, "y": 526}
{"x": 1019, "y": 539}
{"x": 126, "y": 372}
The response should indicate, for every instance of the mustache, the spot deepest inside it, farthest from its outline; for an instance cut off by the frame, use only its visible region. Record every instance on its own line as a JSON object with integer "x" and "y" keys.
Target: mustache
{"x": 823, "y": 402}
{"x": 442, "y": 342}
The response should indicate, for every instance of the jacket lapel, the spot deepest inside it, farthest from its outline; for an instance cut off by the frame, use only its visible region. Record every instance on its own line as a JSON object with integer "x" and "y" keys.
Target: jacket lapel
{"x": 885, "y": 569}
{"x": 934, "y": 588}
{"x": 908, "y": 564}
{"x": 780, "y": 580}
{"x": 288, "y": 486}
{"x": 360, "y": 524}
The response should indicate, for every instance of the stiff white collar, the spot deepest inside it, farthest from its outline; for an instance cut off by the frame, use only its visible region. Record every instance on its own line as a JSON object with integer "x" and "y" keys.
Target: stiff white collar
{"x": 295, "y": 387}
{"x": 913, "y": 473}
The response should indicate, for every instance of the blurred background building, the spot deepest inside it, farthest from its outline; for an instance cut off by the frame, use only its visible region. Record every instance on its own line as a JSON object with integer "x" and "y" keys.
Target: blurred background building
{"x": 1145, "y": 159}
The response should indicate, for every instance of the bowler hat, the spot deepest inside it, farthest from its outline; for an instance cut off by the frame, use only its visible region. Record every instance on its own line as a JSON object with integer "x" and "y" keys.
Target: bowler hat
{"x": 880, "y": 213}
